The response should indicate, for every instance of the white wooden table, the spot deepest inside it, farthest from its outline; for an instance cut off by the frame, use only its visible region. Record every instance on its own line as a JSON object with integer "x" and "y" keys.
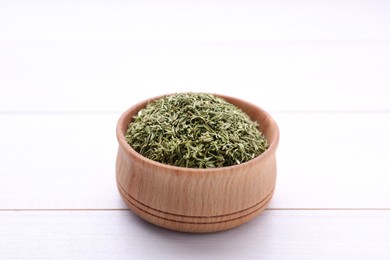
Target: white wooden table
{"x": 69, "y": 68}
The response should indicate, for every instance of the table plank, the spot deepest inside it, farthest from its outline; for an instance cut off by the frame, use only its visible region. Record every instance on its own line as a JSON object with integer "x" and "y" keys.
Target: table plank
{"x": 67, "y": 161}
{"x": 58, "y": 161}
{"x": 331, "y": 160}
{"x": 122, "y": 235}
{"x": 279, "y": 76}
{"x": 74, "y": 56}
{"x": 192, "y": 21}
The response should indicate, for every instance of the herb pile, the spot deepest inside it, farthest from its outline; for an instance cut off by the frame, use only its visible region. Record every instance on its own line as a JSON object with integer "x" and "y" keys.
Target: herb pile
{"x": 196, "y": 131}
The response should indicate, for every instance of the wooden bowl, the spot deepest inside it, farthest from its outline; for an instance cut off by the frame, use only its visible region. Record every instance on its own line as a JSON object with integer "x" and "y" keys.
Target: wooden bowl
{"x": 197, "y": 200}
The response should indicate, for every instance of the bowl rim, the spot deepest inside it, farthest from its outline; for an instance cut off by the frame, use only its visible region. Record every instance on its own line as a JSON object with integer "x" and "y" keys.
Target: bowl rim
{"x": 123, "y": 124}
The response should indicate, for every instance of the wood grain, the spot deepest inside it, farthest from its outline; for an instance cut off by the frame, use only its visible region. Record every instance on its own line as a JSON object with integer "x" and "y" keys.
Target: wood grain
{"x": 293, "y": 235}
{"x": 295, "y": 55}
{"x": 197, "y": 200}
{"x": 300, "y": 183}
{"x": 311, "y": 58}
{"x": 301, "y": 76}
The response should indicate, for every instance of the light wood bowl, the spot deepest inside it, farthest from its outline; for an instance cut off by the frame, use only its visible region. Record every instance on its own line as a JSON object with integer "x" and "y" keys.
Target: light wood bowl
{"x": 197, "y": 200}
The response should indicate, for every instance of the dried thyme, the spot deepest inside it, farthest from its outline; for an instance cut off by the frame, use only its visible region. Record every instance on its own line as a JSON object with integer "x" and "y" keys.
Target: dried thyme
{"x": 195, "y": 130}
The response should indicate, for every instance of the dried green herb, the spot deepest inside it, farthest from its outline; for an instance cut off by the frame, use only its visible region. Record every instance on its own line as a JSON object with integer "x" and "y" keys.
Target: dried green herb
{"x": 195, "y": 130}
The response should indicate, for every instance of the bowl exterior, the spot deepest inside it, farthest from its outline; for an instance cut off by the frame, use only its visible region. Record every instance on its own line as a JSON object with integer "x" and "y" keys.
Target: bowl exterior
{"x": 197, "y": 200}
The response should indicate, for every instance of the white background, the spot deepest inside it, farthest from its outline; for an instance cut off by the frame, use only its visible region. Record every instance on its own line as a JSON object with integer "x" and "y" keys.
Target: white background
{"x": 68, "y": 69}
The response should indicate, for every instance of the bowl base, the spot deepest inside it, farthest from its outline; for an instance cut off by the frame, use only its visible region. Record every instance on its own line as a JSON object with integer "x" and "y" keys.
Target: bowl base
{"x": 193, "y": 224}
